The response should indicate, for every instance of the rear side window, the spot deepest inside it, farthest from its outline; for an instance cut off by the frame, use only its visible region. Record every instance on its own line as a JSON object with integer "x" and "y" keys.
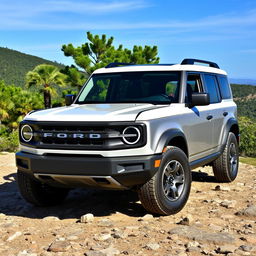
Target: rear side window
{"x": 211, "y": 87}
{"x": 224, "y": 87}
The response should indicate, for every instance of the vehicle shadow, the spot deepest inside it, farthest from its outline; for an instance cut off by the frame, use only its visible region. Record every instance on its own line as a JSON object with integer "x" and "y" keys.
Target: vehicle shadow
{"x": 79, "y": 201}
{"x": 200, "y": 176}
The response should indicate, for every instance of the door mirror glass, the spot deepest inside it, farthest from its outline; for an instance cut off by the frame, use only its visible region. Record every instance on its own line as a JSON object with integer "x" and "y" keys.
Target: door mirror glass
{"x": 69, "y": 99}
{"x": 200, "y": 99}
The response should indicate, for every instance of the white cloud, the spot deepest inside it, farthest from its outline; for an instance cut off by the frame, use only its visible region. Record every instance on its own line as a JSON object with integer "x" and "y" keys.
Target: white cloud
{"x": 27, "y": 15}
{"x": 31, "y": 8}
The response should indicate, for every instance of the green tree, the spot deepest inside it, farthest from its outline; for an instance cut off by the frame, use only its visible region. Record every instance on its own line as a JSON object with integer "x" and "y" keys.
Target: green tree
{"x": 46, "y": 77}
{"x": 99, "y": 51}
{"x": 74, "y": 76}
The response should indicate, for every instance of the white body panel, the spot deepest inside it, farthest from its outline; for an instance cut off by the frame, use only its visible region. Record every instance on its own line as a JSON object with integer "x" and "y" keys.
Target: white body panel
{"x": 203, "y": 136}
{"x": 92, "y": 112}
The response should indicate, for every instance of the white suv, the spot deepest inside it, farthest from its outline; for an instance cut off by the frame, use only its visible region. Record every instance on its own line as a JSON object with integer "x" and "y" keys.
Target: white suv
{"x": 140, "y": 127}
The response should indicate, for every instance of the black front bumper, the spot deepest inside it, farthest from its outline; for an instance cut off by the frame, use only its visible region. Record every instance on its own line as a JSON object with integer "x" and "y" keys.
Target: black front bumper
{"x": 127, "y": 171}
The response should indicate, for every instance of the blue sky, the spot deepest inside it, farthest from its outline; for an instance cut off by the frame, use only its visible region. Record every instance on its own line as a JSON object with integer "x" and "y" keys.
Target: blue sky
{"x": 222, "y": 31}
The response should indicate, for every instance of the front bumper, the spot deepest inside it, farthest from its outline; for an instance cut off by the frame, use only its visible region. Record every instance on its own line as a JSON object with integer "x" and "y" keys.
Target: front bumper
{"x": 95, "y": 171}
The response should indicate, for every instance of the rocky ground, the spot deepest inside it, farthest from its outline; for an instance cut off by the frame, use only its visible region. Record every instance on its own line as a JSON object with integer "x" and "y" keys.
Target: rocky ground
{"x": 219, "y": 219}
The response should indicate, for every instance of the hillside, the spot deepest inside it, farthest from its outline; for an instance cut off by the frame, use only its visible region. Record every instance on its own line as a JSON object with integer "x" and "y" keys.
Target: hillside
{"x": 245, "y": 98}
{"x": 14, "y": 65}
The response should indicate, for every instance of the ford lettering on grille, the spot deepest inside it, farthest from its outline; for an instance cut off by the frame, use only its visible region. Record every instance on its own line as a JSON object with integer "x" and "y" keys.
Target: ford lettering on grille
{"x": 72, "y": 135}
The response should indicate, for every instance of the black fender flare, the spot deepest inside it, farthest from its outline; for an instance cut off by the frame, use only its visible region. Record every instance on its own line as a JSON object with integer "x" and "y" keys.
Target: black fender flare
{"x": 167, "y": 136}
{"x": 232, "y": 121}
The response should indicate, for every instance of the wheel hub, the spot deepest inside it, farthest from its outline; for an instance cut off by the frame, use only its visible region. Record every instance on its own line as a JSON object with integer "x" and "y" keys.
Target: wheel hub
{"x": 173, "y": 180}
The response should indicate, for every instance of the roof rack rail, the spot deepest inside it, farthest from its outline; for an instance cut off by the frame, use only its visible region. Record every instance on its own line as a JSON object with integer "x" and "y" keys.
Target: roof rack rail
{"x": 192, "y": 62}
{"x": 117, "y": 64}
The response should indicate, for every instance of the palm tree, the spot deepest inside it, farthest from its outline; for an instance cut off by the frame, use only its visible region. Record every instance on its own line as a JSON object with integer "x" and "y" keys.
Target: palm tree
{"x": 45, "y": 76}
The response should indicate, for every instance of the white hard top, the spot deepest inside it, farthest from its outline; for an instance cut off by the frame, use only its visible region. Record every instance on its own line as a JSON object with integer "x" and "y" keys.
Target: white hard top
{"x": 176, "y": 67}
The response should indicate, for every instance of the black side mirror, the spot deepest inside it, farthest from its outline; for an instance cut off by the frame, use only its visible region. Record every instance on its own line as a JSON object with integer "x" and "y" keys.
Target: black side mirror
{"x": 69, "y": 99}
{"x": 200, "y": 99}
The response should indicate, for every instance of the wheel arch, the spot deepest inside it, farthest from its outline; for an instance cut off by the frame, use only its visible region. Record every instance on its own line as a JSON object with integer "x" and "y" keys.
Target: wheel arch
{"x": 231, "y": 126}
{"x": 173, "y": 137}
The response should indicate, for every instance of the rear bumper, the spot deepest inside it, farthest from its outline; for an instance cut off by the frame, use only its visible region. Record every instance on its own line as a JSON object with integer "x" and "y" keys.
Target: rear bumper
{"x": 96, "y": 171}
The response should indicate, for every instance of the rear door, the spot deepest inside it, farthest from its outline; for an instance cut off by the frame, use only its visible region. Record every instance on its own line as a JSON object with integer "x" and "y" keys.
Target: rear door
{"x": 215, "y": 107}
{"x": 198, "y": 128}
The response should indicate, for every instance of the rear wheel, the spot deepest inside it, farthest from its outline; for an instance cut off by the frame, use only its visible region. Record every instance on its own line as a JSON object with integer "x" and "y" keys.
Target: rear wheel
{"x": 225, "y": 167}
{"x": 38, "y": 193}
{"x": 168, "y": 190}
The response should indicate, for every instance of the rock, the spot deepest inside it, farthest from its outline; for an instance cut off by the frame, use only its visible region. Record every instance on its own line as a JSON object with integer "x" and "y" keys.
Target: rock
{"x": 173, "y": 237}
{"x": 184, "y": 221}
{"x": 246, "y": 248}
{"x": 221, "y": 188}
{"x": 102, "y": 237}
{"x": 110, "y": 251}
{"x": 152, "y": 246}
{"x": 51, "y": 218}
{"x": 201, "y": 235}
{"x": 94, "y": 253}
{"x": 249, "y": 211}
{"x": 146, "y": 217}
{"x": 105, "y": 223}
{"x": 72, "y": 238}
{"x": 225, "y": 249}
{"x": 59, "y": 246}
{"x": 228, "y": 203}
{"x": 87, "y": 218}
{"x": 2, "y": 215}
{"x": 192, "y": 244}
{"x": 26, "y": 253}
{"x": 117, "y": 233}
{"x": 14, "y": 236}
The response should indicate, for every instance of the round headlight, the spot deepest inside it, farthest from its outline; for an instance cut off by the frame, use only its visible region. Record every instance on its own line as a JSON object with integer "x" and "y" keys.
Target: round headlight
{"x": 131, "y": 135}
{"x": 26, "y": 133}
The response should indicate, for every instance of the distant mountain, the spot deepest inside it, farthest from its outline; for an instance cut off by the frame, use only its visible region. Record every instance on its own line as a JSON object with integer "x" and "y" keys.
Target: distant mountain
{"x": 242, "y": 81}
{"x": 14, "y": 65}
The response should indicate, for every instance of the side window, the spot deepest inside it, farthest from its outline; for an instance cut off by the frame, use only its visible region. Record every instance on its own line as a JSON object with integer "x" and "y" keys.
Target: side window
{"x": 194, "y": 84}
{"x": 224, "y": 87}
{"x": 212, "y": 88}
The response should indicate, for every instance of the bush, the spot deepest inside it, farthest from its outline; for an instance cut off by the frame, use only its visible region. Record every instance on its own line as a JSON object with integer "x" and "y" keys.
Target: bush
{"x": 248, "y": 137}
{"x": 9, "y": 142}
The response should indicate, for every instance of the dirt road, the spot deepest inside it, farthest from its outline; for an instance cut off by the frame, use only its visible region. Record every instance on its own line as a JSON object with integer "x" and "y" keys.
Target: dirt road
{"x": 219, "y": 219}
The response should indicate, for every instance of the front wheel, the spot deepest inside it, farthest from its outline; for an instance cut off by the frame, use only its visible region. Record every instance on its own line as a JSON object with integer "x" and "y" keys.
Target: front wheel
{"x": 225, "y": 167}
{"x": 168, "y": 190}
{"x": 38, "y": 193}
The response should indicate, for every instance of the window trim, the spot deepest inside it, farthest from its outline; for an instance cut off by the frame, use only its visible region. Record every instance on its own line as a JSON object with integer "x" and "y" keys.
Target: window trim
{"x": 201, "y": 85}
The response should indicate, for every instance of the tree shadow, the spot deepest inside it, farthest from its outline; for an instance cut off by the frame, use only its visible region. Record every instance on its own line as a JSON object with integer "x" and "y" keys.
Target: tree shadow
{"x": 78, "y": 202}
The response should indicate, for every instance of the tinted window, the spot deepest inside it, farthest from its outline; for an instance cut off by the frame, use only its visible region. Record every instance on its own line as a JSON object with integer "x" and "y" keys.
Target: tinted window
{"x": 148, "y": 87}
{"x": 212, "y": 88}
{"x": 224, "y": 87}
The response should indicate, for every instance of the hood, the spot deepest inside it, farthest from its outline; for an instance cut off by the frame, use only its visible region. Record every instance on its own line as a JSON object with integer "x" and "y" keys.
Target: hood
{"x": 92, "y": 112}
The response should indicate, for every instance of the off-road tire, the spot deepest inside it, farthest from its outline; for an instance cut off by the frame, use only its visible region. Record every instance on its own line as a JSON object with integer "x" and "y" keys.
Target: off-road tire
{"x": 153, "y": 194}
{"x": 225, "y": 167}
{"x": 38, "y": 193}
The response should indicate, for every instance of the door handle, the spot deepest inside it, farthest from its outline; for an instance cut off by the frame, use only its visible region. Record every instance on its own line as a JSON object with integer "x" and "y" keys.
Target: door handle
{"x": 209, "y": 117}
{"x": 225, "y": 113}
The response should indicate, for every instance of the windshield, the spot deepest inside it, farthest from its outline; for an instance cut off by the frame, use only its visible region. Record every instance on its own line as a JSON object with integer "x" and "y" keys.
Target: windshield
{"x": 131, "y": 87}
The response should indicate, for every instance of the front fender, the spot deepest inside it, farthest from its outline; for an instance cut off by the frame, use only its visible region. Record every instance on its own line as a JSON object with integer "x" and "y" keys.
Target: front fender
{"x": 167, "y": 136}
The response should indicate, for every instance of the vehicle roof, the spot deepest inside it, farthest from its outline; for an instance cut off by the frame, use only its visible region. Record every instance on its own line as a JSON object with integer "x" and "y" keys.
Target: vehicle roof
{"x": 156, "y": 67}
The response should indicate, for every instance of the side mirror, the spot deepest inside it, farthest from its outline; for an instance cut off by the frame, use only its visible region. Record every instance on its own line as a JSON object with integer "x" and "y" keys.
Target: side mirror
{"x": 200, "y": 99}
{"x": 69, "y": 99}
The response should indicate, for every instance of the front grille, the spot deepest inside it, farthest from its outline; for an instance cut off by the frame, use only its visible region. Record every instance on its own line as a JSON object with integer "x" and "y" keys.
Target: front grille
{"x": 81, "y": 135}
